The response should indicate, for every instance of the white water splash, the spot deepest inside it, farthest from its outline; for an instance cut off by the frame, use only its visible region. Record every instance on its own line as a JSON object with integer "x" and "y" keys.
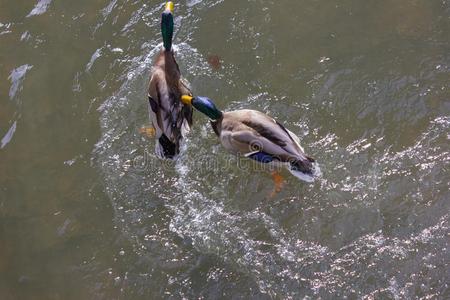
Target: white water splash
{"x": 94, "y": 57}
{"x": 8, "y": 136}
{"x": 346, "y": 236}
{"x": 40, "y": 8}
{"x": 17, "y": 76}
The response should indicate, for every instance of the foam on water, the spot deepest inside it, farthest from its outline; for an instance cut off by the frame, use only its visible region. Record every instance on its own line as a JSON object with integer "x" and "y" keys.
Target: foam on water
{"x": 40, "y": 8}
{"x": 17, "y": 76}
{"x": 280, "y": 261}
{"x": 361, "y": 230}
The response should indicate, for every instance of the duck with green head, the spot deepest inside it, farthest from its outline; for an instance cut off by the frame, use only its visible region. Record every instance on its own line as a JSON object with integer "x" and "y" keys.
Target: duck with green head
{"x": 170, "y": 118}
{"x": 257, "y": 136}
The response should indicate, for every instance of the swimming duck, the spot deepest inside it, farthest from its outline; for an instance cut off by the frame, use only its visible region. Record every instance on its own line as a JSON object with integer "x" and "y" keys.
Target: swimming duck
{"x": 171, "y": 119}
{"x": 257, "y": 136}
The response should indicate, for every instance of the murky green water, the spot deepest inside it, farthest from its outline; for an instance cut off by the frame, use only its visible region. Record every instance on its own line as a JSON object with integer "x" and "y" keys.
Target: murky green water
{"x": 88, "y": 212}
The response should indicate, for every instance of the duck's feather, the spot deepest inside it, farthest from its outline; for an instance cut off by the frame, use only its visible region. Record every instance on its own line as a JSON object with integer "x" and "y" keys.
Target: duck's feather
{"x": 260, "y": 137}
{"x": 260, "y": 156}
{"x": 170, "y": 117}
{"x": 256, "y": 129}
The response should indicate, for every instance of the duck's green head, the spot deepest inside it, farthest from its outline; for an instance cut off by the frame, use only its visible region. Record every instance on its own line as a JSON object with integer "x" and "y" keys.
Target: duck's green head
{"x": 204, "y": 105}
{"x": 167, "y": 26}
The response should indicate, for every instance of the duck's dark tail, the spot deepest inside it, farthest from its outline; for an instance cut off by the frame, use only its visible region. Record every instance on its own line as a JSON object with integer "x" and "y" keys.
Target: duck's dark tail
{"x": 166, "y": 149}
{"x": 303, "y": 168}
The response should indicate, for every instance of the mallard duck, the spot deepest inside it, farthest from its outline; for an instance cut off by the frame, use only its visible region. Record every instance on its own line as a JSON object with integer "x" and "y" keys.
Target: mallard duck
{"x": 257, "y": 136}
{"x": 170, "y": 118}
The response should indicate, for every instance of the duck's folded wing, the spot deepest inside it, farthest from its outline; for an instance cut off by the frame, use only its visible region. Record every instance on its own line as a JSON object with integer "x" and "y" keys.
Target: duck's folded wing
{"x": 249, "y": 142}
{"x": 168, "y": 111}
{"x": 264, "y": 150}
{"x": 275, "y": 133}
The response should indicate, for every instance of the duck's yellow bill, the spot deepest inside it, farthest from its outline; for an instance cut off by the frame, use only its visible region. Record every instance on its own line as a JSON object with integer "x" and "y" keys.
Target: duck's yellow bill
{"x": 186, "y": 99}
{"x": 169, "y": 6}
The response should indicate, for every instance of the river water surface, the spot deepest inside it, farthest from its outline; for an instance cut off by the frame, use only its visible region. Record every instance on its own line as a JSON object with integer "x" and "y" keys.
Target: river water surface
{"x": 88, "y": 212}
